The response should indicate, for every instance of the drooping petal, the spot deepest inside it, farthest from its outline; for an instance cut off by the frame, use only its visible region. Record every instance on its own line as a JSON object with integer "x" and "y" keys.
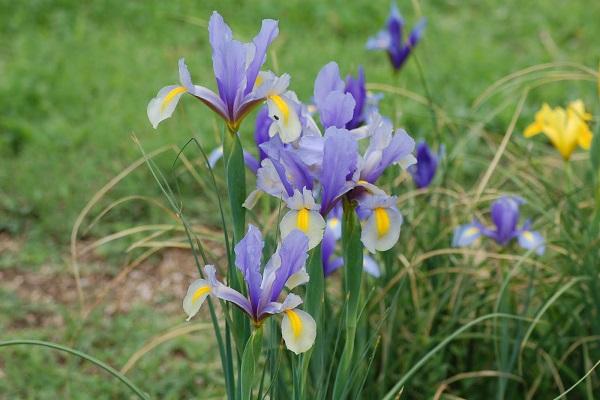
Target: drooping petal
{"x": 336, "y": 109}
{"x": 532, "y": 240}
{"x": 226, "y": 293}
{"x": 339, "y": 163}
{"x": 271, "y": 179}
{"x": 464, "y": 235}
{"x": 295, "y": 171}
{"x": 207, "y": 96}
{"x": 286, "y": 121}
{"x": 382, "y": 228}
{"x": 371, "y": 267}
{"x": 299, "y": 278}
{"x": 195, "y": 296}
{"x": 248, "y": 253}
{"x": 163, "y": 105}
{"x": 268, "y": 32}
{"x": 309, "y": 222}
{"x": 381, "y": 41}
{"x": 298, "y": 330}
{"x": 290, "y": 302}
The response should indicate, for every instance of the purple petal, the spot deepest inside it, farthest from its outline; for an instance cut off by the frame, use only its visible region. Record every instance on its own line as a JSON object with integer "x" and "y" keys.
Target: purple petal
{"x": 248, "y": 253}
{"x": 400, "y": 146}
{"x": 268, "y": 32}
{"x": 225, "y": 292}
{"x": 395, "y": 24}
{"x": 530, "y": 240}
{"x": 339, "y": 162}
{"x": 251, "y": 162}
{"x": 330, "y": 263}
{"x": 426, "y": 167}
{"x": 293, "y": 255}
{"x": 229, "y": 63}
{"x": 337, "y": 109}
{"x": 505, "y": 215}
{"x": 328, "y": 80}
{"x": 207, "y": 96}
{"x": 296, "y": 172}
{"x": 356, "y": 87}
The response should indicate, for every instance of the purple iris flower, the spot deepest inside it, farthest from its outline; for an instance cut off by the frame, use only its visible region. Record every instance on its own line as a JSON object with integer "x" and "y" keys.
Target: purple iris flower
{"x": 424, "y": 170}
{"x": 391, "y": 38}
{"x": 236, "y": 67}
{"x": 356, "y": 87}
{"x": 263, "y": 289}
{"x": 286, "y": 268}
{"x": 505, "y": 216}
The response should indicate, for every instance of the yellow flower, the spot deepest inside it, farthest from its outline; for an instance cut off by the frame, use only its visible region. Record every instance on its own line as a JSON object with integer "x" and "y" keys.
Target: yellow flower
{"x": 565, "y": 128}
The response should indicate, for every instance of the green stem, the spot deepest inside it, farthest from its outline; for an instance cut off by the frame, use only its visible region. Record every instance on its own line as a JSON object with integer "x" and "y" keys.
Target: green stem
{"x": 250, "y": 359}
{"x": 235, "y": 173}
{"x": 86, "y": 357}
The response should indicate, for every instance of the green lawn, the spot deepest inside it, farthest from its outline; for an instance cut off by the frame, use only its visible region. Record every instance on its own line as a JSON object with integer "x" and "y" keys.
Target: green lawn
{"x": 75, "y": 79}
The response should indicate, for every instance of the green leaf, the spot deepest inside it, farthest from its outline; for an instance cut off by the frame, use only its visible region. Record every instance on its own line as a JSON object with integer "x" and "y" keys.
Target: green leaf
{"x": 250, "y": 359}
{"x": 313, "y": 303}
{"x": 353, "y": 265}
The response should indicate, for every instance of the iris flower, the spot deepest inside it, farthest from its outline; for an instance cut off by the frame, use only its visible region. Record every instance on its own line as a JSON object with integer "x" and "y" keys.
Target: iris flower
{"x": 566, "y": 129}
{"x": 424, "y": 170}
{"x": 314, "y": 173}
{"x": 286, "y": 268}
{"x": 505, "y": 216}
{"x": 391, "y": 39}
{"x": 240, "y": 83}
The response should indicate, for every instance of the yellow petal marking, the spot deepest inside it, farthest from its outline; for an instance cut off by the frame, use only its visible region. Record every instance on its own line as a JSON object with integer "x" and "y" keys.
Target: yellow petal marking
{"x": 528, "y": 236}
{"x": 302, "y": 220}
{"x": 472, "y": 231}
{"x": 334, "y": 222}
{"x": 382, "y": 221}
{"x": 258, "y": 81}
{"x": 201, "y": 291}
{"x": 281, "y": 106}
{"x": 295, "y": 321}
{"x": 170, "y": 96}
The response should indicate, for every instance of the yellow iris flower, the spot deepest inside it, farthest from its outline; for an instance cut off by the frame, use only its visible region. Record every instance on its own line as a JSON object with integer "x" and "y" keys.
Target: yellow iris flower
{"x": 565, "y": 128}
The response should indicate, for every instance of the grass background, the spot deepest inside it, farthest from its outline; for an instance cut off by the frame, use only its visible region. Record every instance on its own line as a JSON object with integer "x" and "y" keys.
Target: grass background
{"x": 75, "y": 79}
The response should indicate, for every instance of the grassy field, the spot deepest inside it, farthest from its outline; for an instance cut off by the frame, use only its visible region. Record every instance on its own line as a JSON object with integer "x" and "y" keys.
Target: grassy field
{"x": 75, "y": 79}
